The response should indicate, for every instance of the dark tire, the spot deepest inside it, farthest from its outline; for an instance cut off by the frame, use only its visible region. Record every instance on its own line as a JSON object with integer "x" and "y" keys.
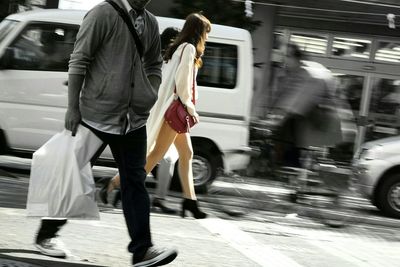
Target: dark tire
{"x": 388, "y": 196}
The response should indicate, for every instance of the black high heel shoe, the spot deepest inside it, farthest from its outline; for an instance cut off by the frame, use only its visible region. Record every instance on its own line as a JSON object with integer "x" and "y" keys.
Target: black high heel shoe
{"x": 192, "y": 206}
{"x": 159, "y": 203}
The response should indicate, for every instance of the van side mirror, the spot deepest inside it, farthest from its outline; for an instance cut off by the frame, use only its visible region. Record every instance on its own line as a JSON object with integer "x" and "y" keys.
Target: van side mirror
{"x": 6, "y": 58}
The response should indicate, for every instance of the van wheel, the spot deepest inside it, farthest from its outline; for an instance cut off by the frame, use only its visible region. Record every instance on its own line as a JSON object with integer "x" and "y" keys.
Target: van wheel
{"x": 204, "y": 169}
{"x": 388, "y": 196}
{"x": 204, "y": 166}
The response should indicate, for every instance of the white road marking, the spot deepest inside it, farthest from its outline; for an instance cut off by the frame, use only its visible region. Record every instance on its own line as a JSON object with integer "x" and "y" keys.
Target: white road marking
{"x": 345, "y": 246}
{"x": 245, "y": 244}
{"x": 251, "y": 187}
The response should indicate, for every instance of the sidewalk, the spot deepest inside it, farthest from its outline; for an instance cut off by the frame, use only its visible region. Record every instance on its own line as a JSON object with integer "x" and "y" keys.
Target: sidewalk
{"x": 103, "y": 242}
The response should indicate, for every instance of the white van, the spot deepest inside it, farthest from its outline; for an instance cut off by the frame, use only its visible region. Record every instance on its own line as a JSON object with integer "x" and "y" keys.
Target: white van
{"x": 33, "y": 88}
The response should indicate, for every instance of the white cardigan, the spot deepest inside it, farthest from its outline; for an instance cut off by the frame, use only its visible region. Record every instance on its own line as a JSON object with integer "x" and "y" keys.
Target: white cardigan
{"x": 176, "y": 72}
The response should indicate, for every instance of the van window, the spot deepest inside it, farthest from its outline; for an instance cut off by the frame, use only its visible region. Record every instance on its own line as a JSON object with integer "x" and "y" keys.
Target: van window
{"x": 220, "y": 63}
{"x": 43, "y": 47}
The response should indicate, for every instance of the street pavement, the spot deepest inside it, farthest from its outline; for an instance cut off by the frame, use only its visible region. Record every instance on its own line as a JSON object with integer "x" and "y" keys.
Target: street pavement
{"x": 247, "y": 194}
{"x": 103, "y": 242}
{"x": 214, "y": 241}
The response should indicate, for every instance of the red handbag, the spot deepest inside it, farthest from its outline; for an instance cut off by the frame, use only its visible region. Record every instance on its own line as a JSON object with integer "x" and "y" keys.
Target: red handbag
{"x": 177, "y": 115}
{"x": 178, "y": 118}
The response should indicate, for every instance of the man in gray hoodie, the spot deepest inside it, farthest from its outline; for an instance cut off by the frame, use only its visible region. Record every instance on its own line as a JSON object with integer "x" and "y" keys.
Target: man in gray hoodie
{"x": 111, "y": 89}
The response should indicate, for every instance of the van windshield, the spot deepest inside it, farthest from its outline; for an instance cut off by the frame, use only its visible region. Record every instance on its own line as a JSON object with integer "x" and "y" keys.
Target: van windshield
{"x": 6, "y": 27}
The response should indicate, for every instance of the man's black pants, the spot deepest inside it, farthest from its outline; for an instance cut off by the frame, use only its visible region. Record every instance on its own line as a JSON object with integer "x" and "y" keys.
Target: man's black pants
{"x": 129, "y": 152}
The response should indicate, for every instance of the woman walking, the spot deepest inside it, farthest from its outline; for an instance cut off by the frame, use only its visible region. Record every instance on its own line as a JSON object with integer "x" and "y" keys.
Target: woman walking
{"x": 182, "y": 60}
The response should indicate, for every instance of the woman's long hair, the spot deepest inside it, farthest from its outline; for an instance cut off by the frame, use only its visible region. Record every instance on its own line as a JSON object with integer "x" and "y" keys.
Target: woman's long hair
{"x": 194, "y": 32}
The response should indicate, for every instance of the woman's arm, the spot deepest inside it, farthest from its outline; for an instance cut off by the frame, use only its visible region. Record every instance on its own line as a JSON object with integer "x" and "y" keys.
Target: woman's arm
{"x": 184, "y": 78}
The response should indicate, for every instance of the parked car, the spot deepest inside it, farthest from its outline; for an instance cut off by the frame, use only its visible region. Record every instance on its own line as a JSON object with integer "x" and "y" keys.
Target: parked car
{"x": 377, "y": 170}
{"x": 34, "y": 53}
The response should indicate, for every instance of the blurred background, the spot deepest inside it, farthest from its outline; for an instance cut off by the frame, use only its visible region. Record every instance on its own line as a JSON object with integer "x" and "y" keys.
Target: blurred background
{"x": 354, "y": 39}
{"x": 342, "y": 209}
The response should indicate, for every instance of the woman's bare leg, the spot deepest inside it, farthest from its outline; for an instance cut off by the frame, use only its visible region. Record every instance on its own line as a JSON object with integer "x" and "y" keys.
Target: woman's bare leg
{"x": 184, "y": 146}
{"x": 165, "y": 138}
{"x": 114, "y": 183}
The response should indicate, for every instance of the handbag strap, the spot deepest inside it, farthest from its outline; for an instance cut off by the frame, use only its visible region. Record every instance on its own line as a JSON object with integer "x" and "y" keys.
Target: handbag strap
{"x": 193, "y": 90}
{"x": 128, "y": 22}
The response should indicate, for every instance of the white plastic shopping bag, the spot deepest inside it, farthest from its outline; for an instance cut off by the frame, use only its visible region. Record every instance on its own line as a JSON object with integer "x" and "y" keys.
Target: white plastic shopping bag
{"x": 61, "y": 182}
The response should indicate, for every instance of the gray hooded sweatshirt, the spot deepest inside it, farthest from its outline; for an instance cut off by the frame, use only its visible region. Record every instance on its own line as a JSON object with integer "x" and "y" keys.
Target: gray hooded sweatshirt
{"x": 116, "y": 83}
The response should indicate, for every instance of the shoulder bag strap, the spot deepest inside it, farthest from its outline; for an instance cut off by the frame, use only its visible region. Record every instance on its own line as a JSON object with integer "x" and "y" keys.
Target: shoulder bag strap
{"x": 193, "y": 92}
{"x": 193, "y": 88}
{"x": 128, "y": 22}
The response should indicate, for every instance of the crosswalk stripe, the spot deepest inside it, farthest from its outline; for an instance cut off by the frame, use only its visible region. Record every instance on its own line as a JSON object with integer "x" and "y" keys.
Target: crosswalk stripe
{"x": 259, "y": 253}
{"x": 347, "y": 247}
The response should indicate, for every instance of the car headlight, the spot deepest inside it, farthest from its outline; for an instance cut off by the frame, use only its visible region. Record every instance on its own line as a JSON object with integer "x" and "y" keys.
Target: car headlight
{"x": 370, "y": 153}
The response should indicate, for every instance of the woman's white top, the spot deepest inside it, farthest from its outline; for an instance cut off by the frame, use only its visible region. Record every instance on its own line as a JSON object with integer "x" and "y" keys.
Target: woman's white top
{"x": 179, "y": 72}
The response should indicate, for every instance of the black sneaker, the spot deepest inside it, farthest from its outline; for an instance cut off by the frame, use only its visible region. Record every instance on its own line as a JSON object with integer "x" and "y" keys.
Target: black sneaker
{"x": 156, "y": 257}
{"x": 50, "y": 248}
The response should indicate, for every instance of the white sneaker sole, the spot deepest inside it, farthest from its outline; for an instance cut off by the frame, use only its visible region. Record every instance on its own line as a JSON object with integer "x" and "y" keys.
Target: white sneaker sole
{"x": 160, "y": 260}
{"x": 56, "y": 254}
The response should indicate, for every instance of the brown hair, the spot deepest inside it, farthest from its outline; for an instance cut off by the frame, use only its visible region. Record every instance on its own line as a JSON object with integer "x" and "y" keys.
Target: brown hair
{"x": 194, "y": 32}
